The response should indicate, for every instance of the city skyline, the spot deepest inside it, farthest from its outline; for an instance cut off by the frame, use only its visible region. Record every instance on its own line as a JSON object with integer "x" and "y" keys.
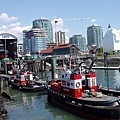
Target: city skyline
{"x": 16, "y": 16}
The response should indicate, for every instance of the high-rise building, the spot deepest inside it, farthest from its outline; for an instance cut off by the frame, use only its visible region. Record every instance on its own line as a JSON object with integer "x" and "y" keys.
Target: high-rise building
{"x": 45, "y": 24}
{"x": 94, "y": 35}
{"x": 60, "y": 37}
{"x": 79, "y": 41}
{"x": 34, "y": 40}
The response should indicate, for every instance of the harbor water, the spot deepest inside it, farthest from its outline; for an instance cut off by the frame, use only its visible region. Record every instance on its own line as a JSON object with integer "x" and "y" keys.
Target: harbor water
{"x": 34, "y": 106}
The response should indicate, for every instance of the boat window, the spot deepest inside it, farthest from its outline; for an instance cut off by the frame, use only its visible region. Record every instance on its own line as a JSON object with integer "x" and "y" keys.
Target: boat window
{"x": 72, "y": 84}
{"x": 64, "y": 76}
{"x": 68, "y": 83}
{"x": 83, "y": 82}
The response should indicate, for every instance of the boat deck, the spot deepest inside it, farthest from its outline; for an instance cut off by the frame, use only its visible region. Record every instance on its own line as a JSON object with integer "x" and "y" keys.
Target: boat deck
{"x": 103, "y": 98}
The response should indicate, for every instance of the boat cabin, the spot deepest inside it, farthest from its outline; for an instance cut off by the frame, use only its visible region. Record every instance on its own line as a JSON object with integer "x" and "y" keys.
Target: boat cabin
{"x": 73, "y": 85}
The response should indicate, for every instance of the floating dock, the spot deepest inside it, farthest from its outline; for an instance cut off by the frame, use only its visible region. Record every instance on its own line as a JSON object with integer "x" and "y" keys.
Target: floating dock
{"x": 109, "y": 68}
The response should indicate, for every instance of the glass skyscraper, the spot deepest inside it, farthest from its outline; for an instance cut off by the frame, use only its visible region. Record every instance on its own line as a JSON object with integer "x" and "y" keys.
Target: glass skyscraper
{"x": 94, "y": 35}
{"x": 45, "y": 24}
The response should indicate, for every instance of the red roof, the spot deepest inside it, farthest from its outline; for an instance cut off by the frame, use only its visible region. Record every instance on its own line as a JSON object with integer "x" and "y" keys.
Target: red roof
{"x": 49, "y": 50}
{"x": 62, "y": 46}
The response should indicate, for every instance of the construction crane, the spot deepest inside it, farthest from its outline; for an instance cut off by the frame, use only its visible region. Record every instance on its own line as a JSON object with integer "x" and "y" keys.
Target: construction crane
{"x": 72, "y": 19}
{"x": 88, "y": 18}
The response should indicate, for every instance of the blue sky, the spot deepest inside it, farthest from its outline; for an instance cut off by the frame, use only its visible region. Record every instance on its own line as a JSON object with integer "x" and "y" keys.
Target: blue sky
{"x": 17, "y": 15}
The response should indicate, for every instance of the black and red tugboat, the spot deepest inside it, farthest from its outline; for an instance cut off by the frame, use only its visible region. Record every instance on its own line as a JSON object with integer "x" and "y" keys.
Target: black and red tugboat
{"x": 26, "y": 81}
{"x": 82, "y": 97}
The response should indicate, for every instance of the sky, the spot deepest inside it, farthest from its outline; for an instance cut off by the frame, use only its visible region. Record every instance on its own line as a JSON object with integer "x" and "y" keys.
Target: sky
{"x": 74, "y": 16}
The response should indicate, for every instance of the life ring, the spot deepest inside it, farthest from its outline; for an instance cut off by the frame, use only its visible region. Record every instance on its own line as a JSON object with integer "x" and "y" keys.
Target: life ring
{"x": 77, "y": 84}
{"x": 23, "y": 83}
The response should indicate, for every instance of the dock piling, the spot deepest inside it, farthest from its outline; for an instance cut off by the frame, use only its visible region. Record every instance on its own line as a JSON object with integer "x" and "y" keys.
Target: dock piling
{"x": 53, "y": 67}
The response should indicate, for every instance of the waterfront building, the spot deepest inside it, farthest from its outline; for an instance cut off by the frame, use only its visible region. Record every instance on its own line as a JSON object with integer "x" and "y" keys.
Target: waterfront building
{"x": 94, "y": 35}
{"x": 62, "y": 50}
{"x": 60, "y": 37}
{"x": 8, "y": 46}
{"x": 45, "y": 24}
{"x": 79, "y": 41}
{"x": 111, "y": 40}
{"x": 20, "y": 48}
{"x": 34, "y": 41}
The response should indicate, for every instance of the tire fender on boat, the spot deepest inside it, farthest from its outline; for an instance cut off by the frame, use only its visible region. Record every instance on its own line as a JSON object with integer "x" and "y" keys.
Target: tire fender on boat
{"x": 23, "y": 83}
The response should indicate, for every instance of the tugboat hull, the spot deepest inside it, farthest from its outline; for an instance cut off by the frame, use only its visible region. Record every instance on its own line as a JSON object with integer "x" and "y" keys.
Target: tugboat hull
{"x": 36, "y": 88}
{"x": 92, "y": 109}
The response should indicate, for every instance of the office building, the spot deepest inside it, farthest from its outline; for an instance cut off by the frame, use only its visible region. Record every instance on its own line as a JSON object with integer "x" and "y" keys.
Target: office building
{"x": 94, "y": 35}
{"x": 34, "y": 40}
{"x": 45, "y": 24}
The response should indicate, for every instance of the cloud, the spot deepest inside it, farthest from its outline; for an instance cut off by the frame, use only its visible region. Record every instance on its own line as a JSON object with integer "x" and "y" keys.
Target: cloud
{"x": 12, "y": 27}
{"x": 93, "y": 20}
{"x": 5, "y": 18}
{"x": 58, "y": 25}
{"x": 15, "y": 29}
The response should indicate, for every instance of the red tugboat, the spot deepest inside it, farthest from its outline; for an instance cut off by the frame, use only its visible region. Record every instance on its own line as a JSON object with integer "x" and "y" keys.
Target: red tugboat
{"x": 81, "y": 97}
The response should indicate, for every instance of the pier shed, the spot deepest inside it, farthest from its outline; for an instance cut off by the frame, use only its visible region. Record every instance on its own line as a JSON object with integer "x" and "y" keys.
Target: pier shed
{"x": 61, "y": 50}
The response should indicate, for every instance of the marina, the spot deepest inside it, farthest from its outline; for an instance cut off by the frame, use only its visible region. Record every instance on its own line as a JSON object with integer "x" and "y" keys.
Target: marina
{"x": 29, "y": 106}
{"x": 86, "y": 75}
{"x": 50, "y": 70}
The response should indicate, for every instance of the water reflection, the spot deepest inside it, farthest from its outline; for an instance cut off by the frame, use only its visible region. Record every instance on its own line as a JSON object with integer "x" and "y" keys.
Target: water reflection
{"x": 34, "y": 106}
{"x": 59, "y": 114}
